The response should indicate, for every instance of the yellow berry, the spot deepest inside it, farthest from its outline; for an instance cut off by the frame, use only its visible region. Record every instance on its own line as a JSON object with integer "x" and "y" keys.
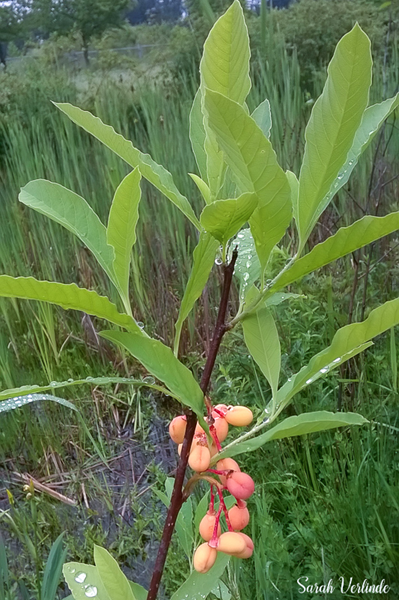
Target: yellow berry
{"x": 207, "y": 526}
{"x": 177, "y": 429}
{"x": 222, "y": 428}
{"x": 240, "y": 416}
{"x": 249, "y": 549}
{"x": 204, "y": 558}
{"x": 231, "y": 542}
{"x": 200, "y": 458}
{"x": 240, "y": 485}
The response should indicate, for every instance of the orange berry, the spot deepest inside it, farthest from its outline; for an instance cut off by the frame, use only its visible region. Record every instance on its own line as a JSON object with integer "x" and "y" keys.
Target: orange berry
{"x": 224, "y": 465}
{"x": 207, "y": 526}
{"x": 222, "y": 429}
{"x": 240, "y": 485}
{"x": 200, "y": 458}
{"x": 240, "y": 416}
{"x": 247, "y": 553}
{"x": 177, "y": 429}
{"x": 231, "y": 543}
{"x": 204, "y": 558}
{"x": 239, "y": 517}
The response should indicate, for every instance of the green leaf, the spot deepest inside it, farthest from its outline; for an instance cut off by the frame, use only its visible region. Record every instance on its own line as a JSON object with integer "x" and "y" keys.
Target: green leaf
{"x": 184, "y": 521}
{"x": 224, "y": 65}
{"x": 113, "y": 580}
{"x": 334, "y": 121}
{"x": 373, "y": 117}
{"x": 72, "y": 212}
{"x": 261, "y": 338}
{"x": 203, "y": 260}
{"x": 154, "y": 173}
{"x": 224, "y": 68}
{"x": 88, "y": 578}
{"x": 263, "y": 117}
{"x": 203, "y": 187}
{"x": 139, "y": 592}
{"x": 224, "y": 218}
{"x": 68, "y": 296}
{"x": 159, "y": 360}
{"x": 294, "y": 186}
{"x": 254, "y": 165}
{"x": 247, "y": 267}
{"x": 198, "y": 135}
{"x": 199, "y": 585}
{"x": 35, "y": 389}
{"x": 53, "y": 570}
{"x": 299, "y": 425}
{"x": 346, "y": 240}
{"x": 346, "y": 343}
{"x": 121, "y": 230}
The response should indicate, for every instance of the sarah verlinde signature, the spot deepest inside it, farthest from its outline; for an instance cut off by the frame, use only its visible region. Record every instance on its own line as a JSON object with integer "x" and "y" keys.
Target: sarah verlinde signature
{"x": 345, "y": 587}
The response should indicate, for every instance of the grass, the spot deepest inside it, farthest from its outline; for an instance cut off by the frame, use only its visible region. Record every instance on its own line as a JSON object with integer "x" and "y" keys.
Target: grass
{"x": 327, "y": 505}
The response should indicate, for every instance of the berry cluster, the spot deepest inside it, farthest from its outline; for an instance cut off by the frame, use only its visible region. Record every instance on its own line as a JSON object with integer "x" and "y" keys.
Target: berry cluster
{"x": 230, "y": 478}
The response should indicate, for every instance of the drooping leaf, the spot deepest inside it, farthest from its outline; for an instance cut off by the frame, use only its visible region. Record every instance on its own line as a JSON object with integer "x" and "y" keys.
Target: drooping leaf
{"x": 121, "y": 229}
{"x": 159, "y": 360}
{"x": 199, "y": 585}
{"x": 68, "y": 296}
{"x": 224, "y": 218}
{"x": 198, "y": 135}
{"x": 203, "y": 260}
{"x": 346, "y": 343}
{"x": 53, "y": 570}
{"x": 247, "y": 267}
{"x": 152, "y": 171}
{"x": 263, "y": 117}
{"x": 113, "y": 579}
{"x": 203, "y": 187}
{"x": 262, "y": 340}
{"x": 72, "y": 212}
{"x": 299, "y": 425}
{"x": 254, "y": 165}
{"x": 346, "y": 240}
{"x": 373, "y": 117}
{"x": 334, "y": 121}
{"x": 81, "y": 578}
{"x": 36, "y": 389}
{"x": 224, "y": 65}
{"x": 19, "y": 401}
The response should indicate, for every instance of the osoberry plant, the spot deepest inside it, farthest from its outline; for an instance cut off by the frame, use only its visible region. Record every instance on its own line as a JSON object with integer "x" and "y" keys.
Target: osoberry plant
{"x": 249, "y": 202}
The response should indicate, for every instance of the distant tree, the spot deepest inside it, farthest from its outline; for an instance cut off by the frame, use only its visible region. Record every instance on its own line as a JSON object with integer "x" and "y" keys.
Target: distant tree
{"x": 89, "y": 18}
{"x": 10, "y": 28}
{"x": 155, "y": 11}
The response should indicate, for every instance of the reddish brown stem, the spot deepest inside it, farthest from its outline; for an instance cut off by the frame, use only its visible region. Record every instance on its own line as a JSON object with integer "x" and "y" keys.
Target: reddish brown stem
{"x": 177, "y": 494}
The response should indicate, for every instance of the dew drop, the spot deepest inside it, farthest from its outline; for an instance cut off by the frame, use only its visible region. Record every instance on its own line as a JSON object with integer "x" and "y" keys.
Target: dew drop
{"x": 80, "y": 577}
{"x": 309, "y": 381}
{"x": 70, "y": 380}
{"x": 350, "y": 163}
{"x": 149, "y": 380}
{"x": 340, "y": 175}
{"x": 324, "y": 370}
{"x": 140, "y": 324}
{"x": 218, "y": 261}
{"x": 337, "y": 360}
{"x": 91, "y": 591}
